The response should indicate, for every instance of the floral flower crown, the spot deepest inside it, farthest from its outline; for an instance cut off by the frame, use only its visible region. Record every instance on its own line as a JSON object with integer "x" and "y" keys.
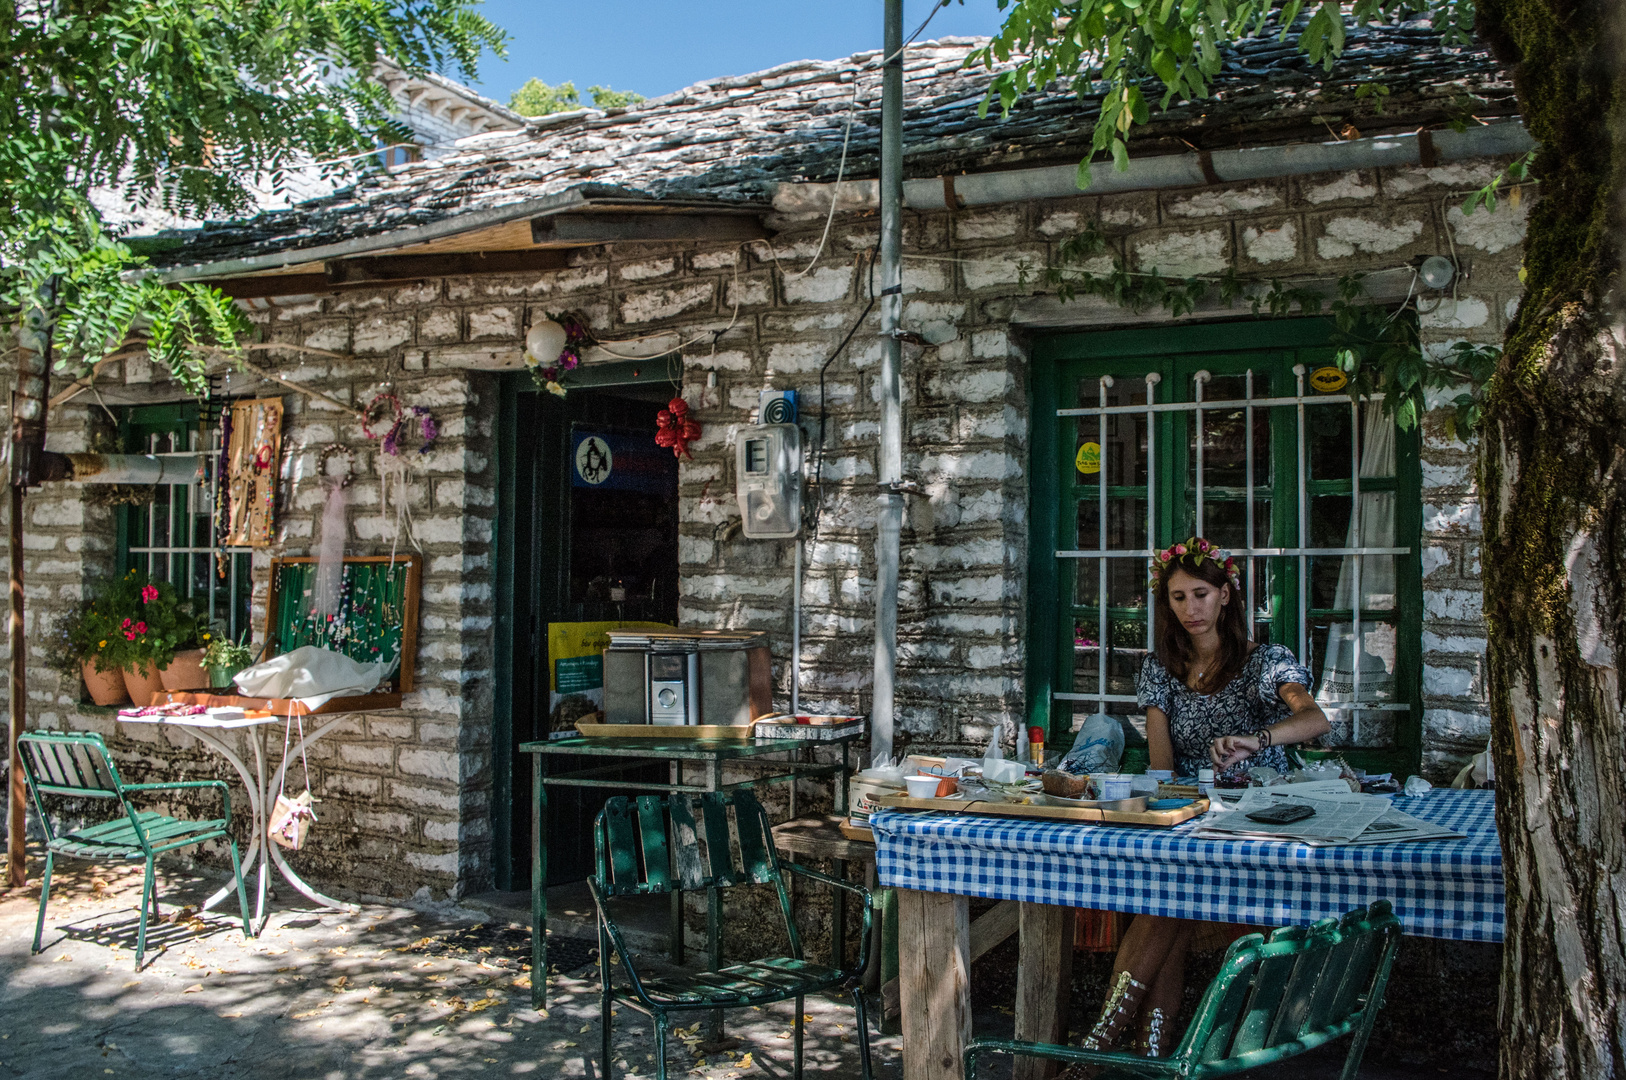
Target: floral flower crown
{"x": 1199, "y": 549}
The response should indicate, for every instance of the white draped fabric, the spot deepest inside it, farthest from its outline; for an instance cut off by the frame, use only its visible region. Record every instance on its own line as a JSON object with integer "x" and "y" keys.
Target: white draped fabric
{"x": 1374, "y": 654}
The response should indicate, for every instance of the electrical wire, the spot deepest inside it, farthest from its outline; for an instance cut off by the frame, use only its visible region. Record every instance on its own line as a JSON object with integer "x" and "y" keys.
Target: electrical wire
{"x": 818, "y": 460}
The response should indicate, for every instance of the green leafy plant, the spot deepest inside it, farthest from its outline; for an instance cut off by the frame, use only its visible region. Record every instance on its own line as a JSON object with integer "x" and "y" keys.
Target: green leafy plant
{"x": 185, "y": 107}
{"x": 1377, "y": 349}
{"x": 133, "y": 621}
{"x": 537, "y": 98}
{"x": 1517, "y": 170}
{"x": 220, "y": 651}
{"x": 1115, "y": 51}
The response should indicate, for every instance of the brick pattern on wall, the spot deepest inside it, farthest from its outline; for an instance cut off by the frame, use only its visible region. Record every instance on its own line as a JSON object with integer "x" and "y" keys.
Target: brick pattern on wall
{"x": 406, "y": 794}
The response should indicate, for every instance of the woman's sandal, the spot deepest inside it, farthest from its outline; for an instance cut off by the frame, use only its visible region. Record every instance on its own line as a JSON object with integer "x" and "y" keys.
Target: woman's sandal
{"x": 1154, "y": 1034}
{"x": 1119, "y": 1009}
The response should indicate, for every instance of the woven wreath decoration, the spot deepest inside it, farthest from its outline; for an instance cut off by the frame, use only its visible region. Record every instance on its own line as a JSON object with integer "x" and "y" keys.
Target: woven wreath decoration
{"x": 386, "y": 406}
{"x": 1199, "y": 549}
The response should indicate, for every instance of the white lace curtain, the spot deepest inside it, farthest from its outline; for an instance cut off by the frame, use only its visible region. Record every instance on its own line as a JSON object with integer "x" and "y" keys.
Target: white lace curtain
{"x": 1374, "y": 654}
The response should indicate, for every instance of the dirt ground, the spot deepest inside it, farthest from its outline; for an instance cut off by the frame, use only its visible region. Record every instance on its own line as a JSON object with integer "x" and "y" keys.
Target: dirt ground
{"x": 385, "y": 992}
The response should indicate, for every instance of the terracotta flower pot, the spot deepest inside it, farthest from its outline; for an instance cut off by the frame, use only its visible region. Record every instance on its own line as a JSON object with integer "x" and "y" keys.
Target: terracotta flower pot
{"x": 186, "y": 671}
{"x": 143, "y": 683}
{"x": 106, "y": 687}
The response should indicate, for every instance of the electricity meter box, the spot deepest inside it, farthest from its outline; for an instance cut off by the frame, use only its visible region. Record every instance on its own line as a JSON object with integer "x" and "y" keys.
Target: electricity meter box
{"x": 677, "y": 678}
{"x": 768, "y": 480}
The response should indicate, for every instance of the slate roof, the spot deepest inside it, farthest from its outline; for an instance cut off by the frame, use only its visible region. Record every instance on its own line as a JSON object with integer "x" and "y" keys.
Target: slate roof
{"x": 732, "y": 139}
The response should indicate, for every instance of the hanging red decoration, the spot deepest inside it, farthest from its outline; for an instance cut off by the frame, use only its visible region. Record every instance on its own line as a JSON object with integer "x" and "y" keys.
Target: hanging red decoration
{"x": 676, "y": 428}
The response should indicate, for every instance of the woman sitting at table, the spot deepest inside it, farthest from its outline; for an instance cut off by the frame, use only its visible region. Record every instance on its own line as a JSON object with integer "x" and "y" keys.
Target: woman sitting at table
{"x": 1212, "y": 698}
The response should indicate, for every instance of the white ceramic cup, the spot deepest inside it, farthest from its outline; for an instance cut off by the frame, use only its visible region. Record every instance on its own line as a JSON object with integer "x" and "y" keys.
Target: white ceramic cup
{"x": 922, "y": 787}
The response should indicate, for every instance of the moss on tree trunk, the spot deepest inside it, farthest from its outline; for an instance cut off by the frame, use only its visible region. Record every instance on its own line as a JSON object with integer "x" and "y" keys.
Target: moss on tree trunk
{"x": 1553, "y": 476}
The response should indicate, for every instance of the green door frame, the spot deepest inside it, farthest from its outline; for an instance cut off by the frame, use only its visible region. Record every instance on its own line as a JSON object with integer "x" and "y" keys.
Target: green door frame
{"x": 1061, "y": 360}
{"x": 517, "y": 616}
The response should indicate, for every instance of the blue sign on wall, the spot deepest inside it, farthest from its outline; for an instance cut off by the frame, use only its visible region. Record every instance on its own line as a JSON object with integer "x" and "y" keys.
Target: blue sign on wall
{"x": 616, "y": 462}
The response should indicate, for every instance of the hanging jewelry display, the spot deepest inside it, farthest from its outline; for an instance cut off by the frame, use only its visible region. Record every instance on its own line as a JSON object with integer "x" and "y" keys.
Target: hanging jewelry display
{"x": 252, "y": 457}
{"x": 330, "y": 551}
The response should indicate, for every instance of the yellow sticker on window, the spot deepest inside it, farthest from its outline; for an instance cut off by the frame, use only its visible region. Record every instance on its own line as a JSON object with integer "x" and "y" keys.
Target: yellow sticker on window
{"x": 1089, "y": 458}
{"x": 1328, "y": 380}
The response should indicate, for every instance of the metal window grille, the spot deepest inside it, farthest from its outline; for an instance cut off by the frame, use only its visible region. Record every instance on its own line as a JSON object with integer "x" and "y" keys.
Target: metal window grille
{"x": 172, "y": 538}
{"x": 1296, "y": 557}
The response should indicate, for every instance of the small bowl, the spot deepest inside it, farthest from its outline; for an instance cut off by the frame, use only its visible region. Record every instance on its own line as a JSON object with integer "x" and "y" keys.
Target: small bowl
{"x": 922, "y": 787}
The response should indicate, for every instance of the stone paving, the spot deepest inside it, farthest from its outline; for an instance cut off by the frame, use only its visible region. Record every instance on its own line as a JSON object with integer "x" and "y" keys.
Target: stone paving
{"x": 328, "y": 996}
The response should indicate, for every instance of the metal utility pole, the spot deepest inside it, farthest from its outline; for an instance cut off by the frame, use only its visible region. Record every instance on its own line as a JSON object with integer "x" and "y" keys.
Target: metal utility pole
{"x": 889, "y": 522}
{"x": 28, "y": 407}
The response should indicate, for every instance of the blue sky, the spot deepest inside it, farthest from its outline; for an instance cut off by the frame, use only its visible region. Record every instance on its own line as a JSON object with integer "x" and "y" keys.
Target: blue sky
{"x": 657, "y": 46}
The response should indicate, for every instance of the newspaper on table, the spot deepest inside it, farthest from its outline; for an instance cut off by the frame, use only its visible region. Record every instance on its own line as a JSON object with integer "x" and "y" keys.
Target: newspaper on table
{"x": 1337, "y": 810}
{"x": 1396, "y": 826}
{"x": 1340, "y": 815}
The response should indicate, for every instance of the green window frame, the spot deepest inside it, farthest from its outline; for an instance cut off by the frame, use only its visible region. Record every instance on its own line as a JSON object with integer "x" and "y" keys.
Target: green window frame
{"x": 172, "y": 537}
{"x": 1304, "y": 534}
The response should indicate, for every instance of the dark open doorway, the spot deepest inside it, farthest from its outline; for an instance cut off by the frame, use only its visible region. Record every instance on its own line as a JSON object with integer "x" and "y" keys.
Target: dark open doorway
{"x": 587, "y": 533}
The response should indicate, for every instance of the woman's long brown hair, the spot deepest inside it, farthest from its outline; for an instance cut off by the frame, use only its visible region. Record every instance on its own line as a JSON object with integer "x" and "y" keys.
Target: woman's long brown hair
{"x": 1175, "y": 650}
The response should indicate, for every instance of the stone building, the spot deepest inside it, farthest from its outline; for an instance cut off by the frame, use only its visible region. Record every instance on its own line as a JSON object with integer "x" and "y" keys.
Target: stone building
{"x": 694, "y": 235}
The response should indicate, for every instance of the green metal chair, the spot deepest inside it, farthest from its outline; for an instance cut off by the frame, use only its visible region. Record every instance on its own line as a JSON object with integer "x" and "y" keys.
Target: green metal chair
{"x": 78, "y": 766}
{"x": 1272, "y": 999}
{"x": 650, "y": 845}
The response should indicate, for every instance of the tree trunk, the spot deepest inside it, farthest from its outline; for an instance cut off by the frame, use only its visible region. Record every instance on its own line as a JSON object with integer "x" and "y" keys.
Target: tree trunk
{"x": 1553, "y": 483}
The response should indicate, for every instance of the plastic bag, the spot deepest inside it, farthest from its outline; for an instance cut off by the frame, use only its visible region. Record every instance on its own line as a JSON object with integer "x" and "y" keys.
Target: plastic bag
{"x": 1416, "y": 786}
{"x": 1098, "y": 748}
{"x": 996, "y": 769}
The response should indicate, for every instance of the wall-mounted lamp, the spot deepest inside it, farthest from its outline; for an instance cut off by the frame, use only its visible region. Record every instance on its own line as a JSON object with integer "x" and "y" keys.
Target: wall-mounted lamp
{"x": 545, "y": 341}
{"x": 1437, "y": 272}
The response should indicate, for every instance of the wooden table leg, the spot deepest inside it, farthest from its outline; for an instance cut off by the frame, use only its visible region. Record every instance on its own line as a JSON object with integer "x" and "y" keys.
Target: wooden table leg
{"x": 1044, "y": 983}
{"x": 934, "y": 983}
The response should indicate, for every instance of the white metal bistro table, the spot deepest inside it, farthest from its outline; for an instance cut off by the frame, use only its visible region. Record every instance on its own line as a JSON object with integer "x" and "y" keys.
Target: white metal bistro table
{"x": 262, "y": 793}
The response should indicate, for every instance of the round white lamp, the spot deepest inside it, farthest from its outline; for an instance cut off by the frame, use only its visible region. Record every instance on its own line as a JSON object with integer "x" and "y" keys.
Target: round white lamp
{"x": 545, "y": 341}
{"x": 1437, "y": 271}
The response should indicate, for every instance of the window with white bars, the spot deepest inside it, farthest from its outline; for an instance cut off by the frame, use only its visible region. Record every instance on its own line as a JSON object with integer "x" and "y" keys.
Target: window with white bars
{"x": 172, "y": 538}
{"x": 1221, "y": 432}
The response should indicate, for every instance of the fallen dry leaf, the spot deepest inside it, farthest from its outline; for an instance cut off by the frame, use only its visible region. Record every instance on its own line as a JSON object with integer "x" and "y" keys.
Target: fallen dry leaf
{"x": 99, "y": 886}
{"x": 194, "y": 988}
{"x": 64, "y": 959}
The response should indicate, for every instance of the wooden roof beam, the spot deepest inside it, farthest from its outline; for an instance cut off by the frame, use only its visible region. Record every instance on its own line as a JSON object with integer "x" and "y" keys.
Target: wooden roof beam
{"x": 610, "y": 228}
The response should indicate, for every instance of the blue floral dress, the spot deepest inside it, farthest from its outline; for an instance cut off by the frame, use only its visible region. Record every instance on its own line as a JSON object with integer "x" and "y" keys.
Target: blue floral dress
{"x": 1248, "y": 702}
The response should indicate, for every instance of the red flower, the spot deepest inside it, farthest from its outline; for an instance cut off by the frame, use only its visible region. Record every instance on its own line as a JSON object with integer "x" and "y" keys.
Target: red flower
{"x": 1179, "y": 549}
{"x": 141, "y": 628}
{"x": 129, "y": 635}
{"x": 149, "y": 593}
{"x": 125, "y": 625}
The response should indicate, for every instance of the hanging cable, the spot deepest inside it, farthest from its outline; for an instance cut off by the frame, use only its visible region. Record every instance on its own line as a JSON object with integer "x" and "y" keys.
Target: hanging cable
{"x": 818, "y": 460}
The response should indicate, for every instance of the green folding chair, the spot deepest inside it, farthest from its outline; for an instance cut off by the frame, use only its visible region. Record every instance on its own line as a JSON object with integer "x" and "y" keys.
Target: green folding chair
{"x": 78, "y": 766}
{"x": 1272, "y": 999}
{"x": 650, "y": 845}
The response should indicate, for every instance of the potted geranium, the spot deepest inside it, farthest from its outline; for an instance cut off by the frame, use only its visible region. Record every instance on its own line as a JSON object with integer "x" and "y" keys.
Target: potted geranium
{"x": 83, "y": 644}
{"x": 150, "y": 623}
{"x": 223, "y": 658}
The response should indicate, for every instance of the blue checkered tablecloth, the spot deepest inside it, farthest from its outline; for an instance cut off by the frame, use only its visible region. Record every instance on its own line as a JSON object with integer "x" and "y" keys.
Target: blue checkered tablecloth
{"x": 1439, "y": 888}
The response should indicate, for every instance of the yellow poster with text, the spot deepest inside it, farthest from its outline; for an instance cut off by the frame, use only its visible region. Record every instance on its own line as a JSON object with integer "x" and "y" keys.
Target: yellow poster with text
{"x": 576, "y": 669}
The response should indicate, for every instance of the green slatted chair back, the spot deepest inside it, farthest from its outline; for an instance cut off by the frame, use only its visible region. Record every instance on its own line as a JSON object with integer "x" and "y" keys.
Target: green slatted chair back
{"x": 68, "y": 763}
{"x": 653, "y": 844}
{"x": 1273, "y": 998}
{"x": 1302, "y": 986}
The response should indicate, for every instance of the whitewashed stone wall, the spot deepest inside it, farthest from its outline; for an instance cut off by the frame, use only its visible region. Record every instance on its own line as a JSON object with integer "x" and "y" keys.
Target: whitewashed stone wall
{"x": 407, "y": 793}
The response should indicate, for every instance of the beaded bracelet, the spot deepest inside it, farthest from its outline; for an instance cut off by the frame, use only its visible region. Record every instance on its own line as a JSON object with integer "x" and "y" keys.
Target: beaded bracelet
{"x": 1264, "y": 737}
